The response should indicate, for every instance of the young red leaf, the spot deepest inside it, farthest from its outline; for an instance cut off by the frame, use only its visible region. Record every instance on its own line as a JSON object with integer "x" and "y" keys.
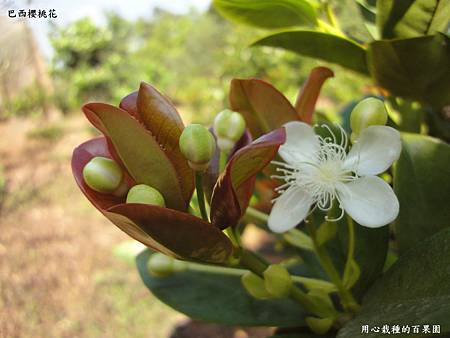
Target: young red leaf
{"x": 235, "y": 186}
{"x": 140, "y": 153}
{"x": 162, "y": 119}
{"x": 129, "y": 104}
{"x": 307, "y": 98}
{"x": 262, "y": 105}
{"x": 171, "y": 232}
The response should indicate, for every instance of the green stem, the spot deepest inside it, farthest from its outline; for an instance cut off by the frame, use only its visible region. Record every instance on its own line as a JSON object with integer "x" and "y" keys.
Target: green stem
{"x": 351, "y": 245}
{"x": 201, "y": 195}
{"x": 222, "y": 160}
{"x": 330, "y": 16}
{"x": 258, "y": 265}
{"x": 257, "y": 215}
{"x": 348, "y": 301}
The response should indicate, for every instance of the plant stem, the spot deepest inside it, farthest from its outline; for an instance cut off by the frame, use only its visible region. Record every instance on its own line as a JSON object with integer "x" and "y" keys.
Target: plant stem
{"x": 201, "y": 195}
{"x": 348, "y": 301}
{"x": 330, "y": 16}
{"x": 351, "y": 245}
{"x": 256, "y": 214}
{"x": 222, "y": 160}
{"x": 258, "y": 265}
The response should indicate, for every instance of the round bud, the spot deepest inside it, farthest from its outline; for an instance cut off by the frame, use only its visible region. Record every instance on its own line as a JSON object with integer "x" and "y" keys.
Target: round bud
{"x": 145, "y": 194}
{"x": 277, "y": 280}
{"x": 368, "y": 112}
{"x": 197, "y": 145}
{"x": 254, "y": 285}
{"x": 319, "y": 325}
{"x": 160, "y": 265}
{"x": 229, "y": 127}
{"x": 103, "y": 175}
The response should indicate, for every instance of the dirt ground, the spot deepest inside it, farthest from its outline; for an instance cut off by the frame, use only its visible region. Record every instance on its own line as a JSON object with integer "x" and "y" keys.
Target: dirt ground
{"x": 58, "y": 274}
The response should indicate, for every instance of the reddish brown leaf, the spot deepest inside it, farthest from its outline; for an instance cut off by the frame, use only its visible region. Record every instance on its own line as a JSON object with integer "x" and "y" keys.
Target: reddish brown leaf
{"x": 81, "y": 156}
{"x": 234, "y": 187}
{"x": 169, "y": 231}
{"x": 140, "y": 153}
{"x": 174, "y": 233}
{"x": 212, "y": 173}
{"x": 262, "y": 105}
{"x": 163, "y": 121}
{"x": 308, "y": 95}
{"x": 129, "y": 104}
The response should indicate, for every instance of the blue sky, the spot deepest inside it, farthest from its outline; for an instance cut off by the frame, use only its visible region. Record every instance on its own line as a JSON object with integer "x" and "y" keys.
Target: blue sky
{"x": 69, "y": 11}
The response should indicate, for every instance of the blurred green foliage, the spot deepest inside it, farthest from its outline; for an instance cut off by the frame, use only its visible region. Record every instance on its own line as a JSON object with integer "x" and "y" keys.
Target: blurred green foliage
{"x": 29, "y": 102}
{"x": 191, "y": 58}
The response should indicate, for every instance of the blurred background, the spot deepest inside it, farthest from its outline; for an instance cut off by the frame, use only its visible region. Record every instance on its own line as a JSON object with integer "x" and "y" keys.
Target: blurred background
{"x": 62, "y": 271}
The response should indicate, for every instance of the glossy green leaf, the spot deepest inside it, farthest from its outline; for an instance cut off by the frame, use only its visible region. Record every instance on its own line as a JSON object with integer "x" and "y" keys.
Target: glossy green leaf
{"x": 162, "y": 119}
{"x": 268, "y": 13}
{"x": 262, "y": 105}
{"x": 418, "y": 68}
{"x": 415, "y": 291}
{"x": 324, "y": 46}
{"x": 422, "y": 185}
{"x": 235, "y": 186}
{"x": 141, "y": 154}
{"x": 412, "y": 18}
{"x": 219, "y": 298}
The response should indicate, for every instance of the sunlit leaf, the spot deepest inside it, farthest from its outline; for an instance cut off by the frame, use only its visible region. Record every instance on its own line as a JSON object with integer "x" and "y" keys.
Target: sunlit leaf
{"x": 412, "y": 18}
{"x": 141, "y": 154}
{"x": 268, "y": 13}
{"x": 323, "y": 46}
{"x": 262, "y": 105}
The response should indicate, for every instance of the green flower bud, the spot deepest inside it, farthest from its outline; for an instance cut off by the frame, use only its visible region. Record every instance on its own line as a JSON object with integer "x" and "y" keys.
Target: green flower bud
{"x": 197, "y": 145}
{"x": 103, "y": 175}
{"x": 319, "y": 325}
{"x": 254, "y": 285}
{"x": 145, "y": 194}
{"x": 160, "y": 265}
{"x": 278, "y": 281}
{"x": 368, "y": 112}
{"x": 229, "y": 127}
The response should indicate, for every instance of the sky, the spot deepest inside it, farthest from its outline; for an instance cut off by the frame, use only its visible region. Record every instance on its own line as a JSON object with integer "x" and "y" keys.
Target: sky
{"x": 68, "y": 11}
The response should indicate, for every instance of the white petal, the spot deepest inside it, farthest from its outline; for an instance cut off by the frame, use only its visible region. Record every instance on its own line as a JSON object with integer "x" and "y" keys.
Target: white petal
{"x": 301, "y": 143}
{"x": 376, "y": 149}
{"x": 370, "y": 201}
{"x": 289, "y": 209}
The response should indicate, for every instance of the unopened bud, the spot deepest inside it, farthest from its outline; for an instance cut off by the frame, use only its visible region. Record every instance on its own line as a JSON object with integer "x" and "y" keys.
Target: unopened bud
{"x": 145, "y": 194}
{"x": 229, "y": 127}
{"x": 197, "y": 145}
{"x": 368, "y": 112}
{"x": 278, "y": 281}
{"x": 103, "y": 175}
{"x": 254, "y": 285}
{"x": 160, "y": 265}
{"x": 319, "y": 325}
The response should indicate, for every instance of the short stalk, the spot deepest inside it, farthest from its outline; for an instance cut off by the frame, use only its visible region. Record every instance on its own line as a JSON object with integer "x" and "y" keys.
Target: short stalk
{"x": 351, "y": 246}
{"x": 348, "y": 301}
{"x": 222, "y": 160}
{"x": 201, "y": 195}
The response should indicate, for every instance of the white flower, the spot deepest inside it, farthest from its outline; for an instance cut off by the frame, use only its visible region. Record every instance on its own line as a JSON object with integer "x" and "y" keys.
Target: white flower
{"x": 318, "y": 171}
